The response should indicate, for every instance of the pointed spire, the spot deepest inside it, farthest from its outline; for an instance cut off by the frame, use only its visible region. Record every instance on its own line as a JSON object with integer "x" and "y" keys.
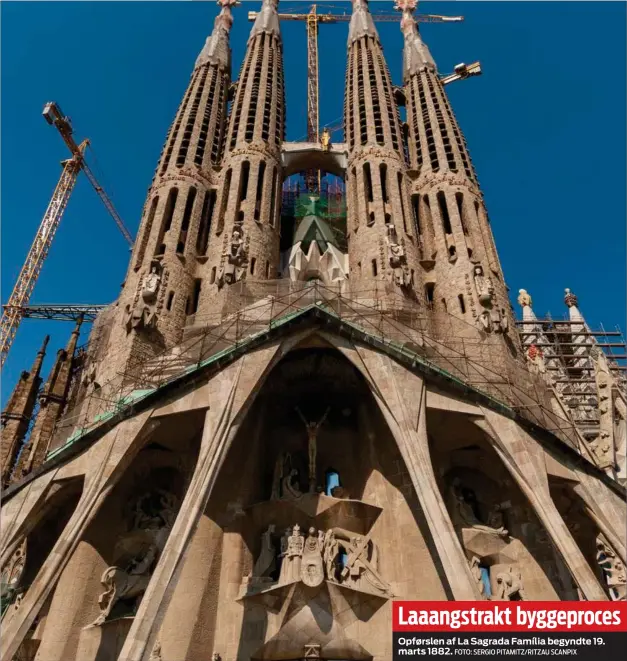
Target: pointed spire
{"x": 361, "y": 24}
{"x": 416, "y": 54}
{"x": 217, "y": 50}
{"x": 267, "y": 20}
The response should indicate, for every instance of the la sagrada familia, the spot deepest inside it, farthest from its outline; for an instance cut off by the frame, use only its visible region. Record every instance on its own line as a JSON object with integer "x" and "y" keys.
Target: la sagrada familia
{"x": 260, "y": 446}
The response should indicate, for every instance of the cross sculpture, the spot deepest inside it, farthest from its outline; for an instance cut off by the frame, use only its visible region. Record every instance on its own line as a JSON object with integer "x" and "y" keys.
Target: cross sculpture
{"x": 312, "y": 432}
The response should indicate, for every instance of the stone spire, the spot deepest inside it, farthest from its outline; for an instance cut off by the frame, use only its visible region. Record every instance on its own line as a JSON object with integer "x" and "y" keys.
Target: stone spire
{"x": 163, "y": 283}
{"x": 416, "y": 54}
{"x": 246, "y": 240}
{"x": 461, "y": 269}
{"x": 381, "y": 236}
{"x": 17, "y": 415}
{"x": 52, "y": 402}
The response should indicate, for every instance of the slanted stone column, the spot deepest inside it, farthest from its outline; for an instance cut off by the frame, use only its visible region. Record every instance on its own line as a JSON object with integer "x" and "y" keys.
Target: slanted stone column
{"x": 515, "y": 449}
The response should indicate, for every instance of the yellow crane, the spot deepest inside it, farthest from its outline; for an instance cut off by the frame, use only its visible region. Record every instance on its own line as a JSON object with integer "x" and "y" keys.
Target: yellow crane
{"x": 313, "y": 18}
{"x": 14, "y": 310}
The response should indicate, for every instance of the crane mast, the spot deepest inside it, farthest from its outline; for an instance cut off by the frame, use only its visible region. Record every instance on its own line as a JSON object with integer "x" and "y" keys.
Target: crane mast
{"x": 15, "y": 309}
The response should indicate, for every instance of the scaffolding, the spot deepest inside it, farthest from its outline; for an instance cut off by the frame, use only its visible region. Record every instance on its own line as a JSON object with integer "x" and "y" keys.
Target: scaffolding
{"x": 461, "y": 356}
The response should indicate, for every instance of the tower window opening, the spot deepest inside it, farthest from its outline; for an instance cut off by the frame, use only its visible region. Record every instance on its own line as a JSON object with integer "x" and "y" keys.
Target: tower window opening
{"x": 415, "y": 205}
{"x": 359, "y": 267}
{"x": 146, "y": 233}
{"x": 225, "y": 198}
{"x": 174, "y": 130}
{"x": 212, "y": 278}
{"x": 267, "y": 270}
{"x": 383, "y": 176}
{"x": 388, "y": 219}
{"x": 168, "y": 305}
{"x": 426, "y": 121}
{"x": 204, "y": 227}
{"x": 187, "y": 214}
{"x": 414, "y": 100}
{"x": 363, "y": 120}
{"x": 191, "y": 120}
{"x": 452, "y": 251}
{"x": 446, "y": 219}
{"x": 166, "y": 221}
{"x": 258, "y": 197}
{"x": 368, "y": 181}
{"x": 374, "y": 94}
{"x": 254, "y": 92}
{"x": 462, "y": 304}
{"x": 239, "y": 101}
{"x": 218, "y": 131}
{"x": 243, "y": 182}
{"x": 374, "y": 267}
{"x": 444, "y": 305}
{"x": 206, "y": 116}
{"x": 195, "y": 296}
{"x": 332, "y": 480}
{"x": 430, "y": 294}
{"x": 253, "y": 262}
{"x": 269, "y": 91}
{"x": 273, "y": 196}
{"x": 401, "y": 196}
{"x": 459, "y": 198}
{"x": 354, "y": 199}
{"x": 371, "y": 219}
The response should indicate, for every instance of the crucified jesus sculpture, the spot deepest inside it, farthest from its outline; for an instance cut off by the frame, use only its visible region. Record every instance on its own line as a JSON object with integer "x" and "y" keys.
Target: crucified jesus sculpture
{"x": 312, "y": 432}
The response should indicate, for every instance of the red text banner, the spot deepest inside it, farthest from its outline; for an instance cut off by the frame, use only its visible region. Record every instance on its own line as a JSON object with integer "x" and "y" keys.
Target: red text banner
{"x": 505, "y": 616}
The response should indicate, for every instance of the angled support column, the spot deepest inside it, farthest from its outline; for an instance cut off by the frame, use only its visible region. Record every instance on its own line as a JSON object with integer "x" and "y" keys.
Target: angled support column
{"x": 228, "y": 395}
{"x": 108, "y": 467}
{"x": 526, "y": 467}
{"x": 402, "y": 398}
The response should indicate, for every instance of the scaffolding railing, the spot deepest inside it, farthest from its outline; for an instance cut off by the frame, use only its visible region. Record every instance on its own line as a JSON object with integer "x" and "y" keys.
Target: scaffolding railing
{"x": 441, "y": 343}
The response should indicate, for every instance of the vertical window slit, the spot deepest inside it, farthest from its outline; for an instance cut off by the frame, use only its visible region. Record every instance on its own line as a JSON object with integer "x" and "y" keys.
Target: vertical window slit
{"x": 430, "y": 294}
{"x": 273, "y": 196}
{"x": 368, "y": 182}
{"x": 383, "y": 176}
{"x": 191, "y": 120}
{"x": 446, "y": 219}
{"x": 225, "y": 198}
{"x": 204, "y": 226}
{"x": 401, "y": 196}
{"x": 459, "y": 198}
{"x": 253, "y": 262}
{"x": 174, "y": 131}
{"x": 146, "y": 233}
{"x": 374, "y": 267}
{"x": 166, "y": 221}
{"x": 195, "y": 298}
{"x": 187, "y": 215}
{"x": 206, "y": 117}
{"x": 259, "y": 195}
{"x": 462, "y": 305}
{"x": 168, "y": 304}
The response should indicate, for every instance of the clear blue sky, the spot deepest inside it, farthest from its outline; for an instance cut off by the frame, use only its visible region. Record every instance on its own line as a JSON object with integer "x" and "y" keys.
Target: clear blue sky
{"x": 545, "y": 126}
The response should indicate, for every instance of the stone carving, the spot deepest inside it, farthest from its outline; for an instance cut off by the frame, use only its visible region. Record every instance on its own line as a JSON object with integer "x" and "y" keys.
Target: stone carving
{"x": 362, "y": 566}
{"x": 11, "y": 589}
{"x": 312, "y": 651}
{"x": 494, "y": 321}
{"x": 312, "y": 569}
{"x": 396, "y": 258}
{"x": 331, "y": 550}
{"x": 523, "y": 298}
{"x": 153, "y": 517}
{"x": 467, "y": 517}
{"x": 291, "y": 564}
{"x": 535, "y": 356}
{"x": 475, "y": 570}
{"x": 325, "y": 139}
{"x": 236, "y": 259}
{"x": 485, "y": 289}
{"x": 143, "y": 315}
{"x": 266, "y": 562}
{"x": 509, "y": 586}
{"x": 216, "y": 657}
{"x": 155, "y": 655}
{"x": 312, "y": 433}
{"x": 285, "y": 484}
{"x": 613, "y": 569}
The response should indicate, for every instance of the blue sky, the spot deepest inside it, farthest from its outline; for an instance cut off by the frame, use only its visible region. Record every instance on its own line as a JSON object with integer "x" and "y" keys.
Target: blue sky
{"x": 545, "y": 126}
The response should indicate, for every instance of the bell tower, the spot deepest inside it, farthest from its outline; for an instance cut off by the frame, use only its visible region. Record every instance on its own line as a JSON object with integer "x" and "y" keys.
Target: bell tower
{"x": 460, "y": 266}
{"x": 382, "y": 242}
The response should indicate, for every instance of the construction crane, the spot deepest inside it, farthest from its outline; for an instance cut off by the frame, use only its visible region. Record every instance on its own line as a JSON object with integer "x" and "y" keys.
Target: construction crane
{"x": 14, "y": 311}
{"x": 313, "y": 18}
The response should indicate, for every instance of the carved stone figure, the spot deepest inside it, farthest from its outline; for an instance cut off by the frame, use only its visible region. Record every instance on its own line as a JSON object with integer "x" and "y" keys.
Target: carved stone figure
{"x": 467, "y": 517}
{"x": 363, "y": 565}
{"x": 325, "y": 139}
{"x": 290, "y": 486}
{"x": 485, "y": 290}
{"x": 216, "y": 657}
{"x": 236, "y": 259}
{"x": 535, "y": 357}
{"x": 613, "y": 569}
{"x": 396, "y": 258}
{"x": 150, "y": 530}
{"x": 475, "y": 570}
{"x": 312, "y": 571}
{"x": 331, "y": 549}
{"x": 151, "y": 283}
{"x": 523, "y": 298}
{"x": 312, "y": 433}
{"x": 143, "y": 315}
{"x": 155, "y": 655}
{"x": 11, "y": 577}
{"x": 266, "y": 562}
{"x": 509, "y": 586}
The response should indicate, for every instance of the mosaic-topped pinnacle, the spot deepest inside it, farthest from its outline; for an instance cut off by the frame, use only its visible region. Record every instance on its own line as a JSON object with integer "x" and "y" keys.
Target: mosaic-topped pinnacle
{"x": 416, "y": 55}
{"x": 570, "y": 299}
{"x": 217, "y": 50}
{"x": 361, "y": 24}
{"x": 523, "y": 298}
{"x": 267, "y": 20}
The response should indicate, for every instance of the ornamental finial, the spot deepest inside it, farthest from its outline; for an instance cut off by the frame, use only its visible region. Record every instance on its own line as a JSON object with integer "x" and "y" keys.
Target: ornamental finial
{"x": 405, "y": 5}
{"x": 523, "y": 298}
{"x": 570, "y": 299}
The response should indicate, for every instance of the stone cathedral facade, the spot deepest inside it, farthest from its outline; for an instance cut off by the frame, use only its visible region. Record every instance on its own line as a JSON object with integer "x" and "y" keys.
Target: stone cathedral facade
{"x": 260, "y": 447}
